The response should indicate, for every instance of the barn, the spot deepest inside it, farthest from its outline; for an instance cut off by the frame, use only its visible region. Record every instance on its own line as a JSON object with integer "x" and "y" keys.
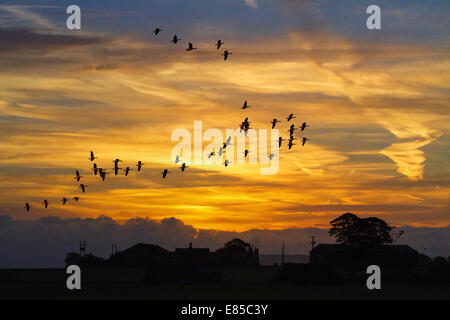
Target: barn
{"x": 349, "y": 257}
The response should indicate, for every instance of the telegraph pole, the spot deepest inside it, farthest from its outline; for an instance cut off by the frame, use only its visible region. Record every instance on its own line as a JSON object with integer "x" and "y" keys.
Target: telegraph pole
{"x": 313, "y": 242}
{"x": 82, "y": 248}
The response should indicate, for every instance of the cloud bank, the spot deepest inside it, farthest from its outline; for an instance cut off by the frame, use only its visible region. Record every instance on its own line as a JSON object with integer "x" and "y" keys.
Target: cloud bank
{"x": 45, "y": 241}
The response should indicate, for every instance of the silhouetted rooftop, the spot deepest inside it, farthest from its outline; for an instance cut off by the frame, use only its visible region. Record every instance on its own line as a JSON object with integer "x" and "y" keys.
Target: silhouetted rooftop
{"x": 144, "y": 247}
{"x": 340, "y": 255}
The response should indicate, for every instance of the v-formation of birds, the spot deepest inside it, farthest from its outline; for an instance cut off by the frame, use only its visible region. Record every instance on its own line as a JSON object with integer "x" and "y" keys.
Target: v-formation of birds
{"x": 245, "y": 126}
{"x": 176, "y": 39}
{"x": 101, "y": 172}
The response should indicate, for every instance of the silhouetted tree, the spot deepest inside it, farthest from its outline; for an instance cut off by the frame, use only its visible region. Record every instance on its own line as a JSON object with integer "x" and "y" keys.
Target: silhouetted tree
{"x": 350, "y": 229}
{"x": 440, "y": 261}
{"x": 237, "y": 253}
{"x": 238, "y": 245}
{"x": 440, "y": 270}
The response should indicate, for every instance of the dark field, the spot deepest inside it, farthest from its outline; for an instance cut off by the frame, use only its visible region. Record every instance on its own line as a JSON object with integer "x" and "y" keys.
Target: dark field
{"x": 129, "y": 284}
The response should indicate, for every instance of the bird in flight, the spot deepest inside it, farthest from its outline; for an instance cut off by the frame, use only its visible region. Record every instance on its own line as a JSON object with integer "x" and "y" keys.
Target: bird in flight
{"x": 64, "y": 201}
{"x": 183, "y": 167}
{"x": 95, "y": 169}
{"x": 116, "y": 170}
{"x": 76, "y": 199}
{"x": 304, "y": 141}
{"x": 139, "y": 165}
{"x": 92, "y": 156}
{"x": 245, "y": 106}
{"x": 246, "y": 152}
{"x": 116, "y": 166}
{"x": 213, "y": 153}
{"x": 45, "y": 203}
{"x": 292, "y": 128}
{"x": 303, "y": 126}
{"x": 280, "y": 140}
{"x": 177, "y": 159}
{"x": 27, "y": 206}
{"x": 245, "y": 125}
{"x": 228, "y": 141}
{"x": 164, "y": 173}
{"x": 175, "y": 39}
{"x": 127, "y": 170}
{"x": 225, "y": 54}
{"x": 274, "y": 123}
{"x": 219, "y": 43}
{"x": 227, "y": 162}
{"x": 103, "y": 174}
{"x": 291, "y": 143}
{"x": 190, "y": 47}
{"x": 271, "y": 156}
{"x": 77, "y": 175}
{"x": 245, "y": 122}
{"x": 157, "y": 30}
{"x": 290, "y": 117}
{"x": 83, "y": 187}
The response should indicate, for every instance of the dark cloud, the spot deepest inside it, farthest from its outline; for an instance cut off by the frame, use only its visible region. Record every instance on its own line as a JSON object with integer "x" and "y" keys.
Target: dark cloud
{"x": 45, "y": 241}
{"x": 432, "y": 103}
{"x": 21, "y": 39}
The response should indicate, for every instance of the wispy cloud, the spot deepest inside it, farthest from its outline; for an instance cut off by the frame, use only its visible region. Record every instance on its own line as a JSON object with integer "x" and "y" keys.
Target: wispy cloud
{"x": 408, "y": 157}
{"x": 25, "y": 15}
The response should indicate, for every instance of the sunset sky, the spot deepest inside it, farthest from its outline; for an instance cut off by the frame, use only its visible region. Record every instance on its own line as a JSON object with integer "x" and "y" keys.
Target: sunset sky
{"x": 377, "y": 102}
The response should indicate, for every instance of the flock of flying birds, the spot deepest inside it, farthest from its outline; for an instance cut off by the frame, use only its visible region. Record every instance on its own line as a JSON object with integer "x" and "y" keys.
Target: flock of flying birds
{"x": 244, "y": 126}
{"x": 176, "y": 39}
{"x": 101, "y": 172}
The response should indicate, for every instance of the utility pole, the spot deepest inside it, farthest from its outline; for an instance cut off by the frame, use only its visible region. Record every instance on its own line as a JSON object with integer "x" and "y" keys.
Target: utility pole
{"x": 282, "y": 254}
{"x": 313, "y": 242}
{"x": 82, "y": 248}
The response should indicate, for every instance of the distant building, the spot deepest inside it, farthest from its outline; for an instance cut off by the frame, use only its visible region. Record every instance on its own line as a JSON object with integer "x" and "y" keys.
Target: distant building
{"x": 346, "y": 257}
{"x": 184, "y": 265}
{"x": 190, "y": 254}
{"x": 139, "y": 255}
{"x": 73, "y": 258}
